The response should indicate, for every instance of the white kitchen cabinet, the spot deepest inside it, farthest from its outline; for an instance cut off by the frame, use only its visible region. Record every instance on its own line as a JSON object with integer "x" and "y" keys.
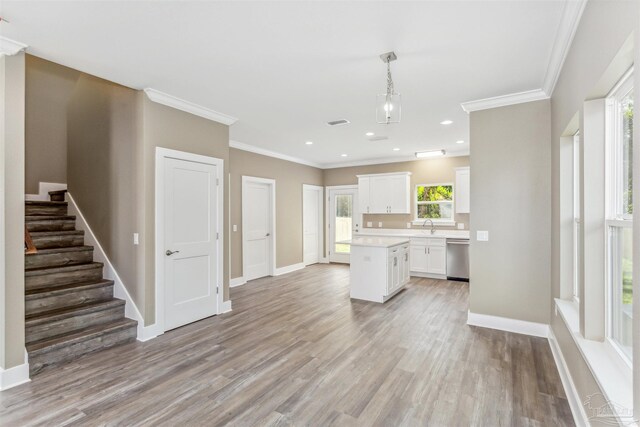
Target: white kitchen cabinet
{"x": 437, "y": 260}
{"x": 364, "y": 184}
{"x": 463, "y": 190}
{"x": 379, "y": 267}
{"x": 429, "y": 256}
{"x": 385, "y": 193}
{"x": 418, "y": 258}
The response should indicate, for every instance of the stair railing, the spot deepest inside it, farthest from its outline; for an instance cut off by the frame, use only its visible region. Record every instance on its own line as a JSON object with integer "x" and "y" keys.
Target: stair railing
{"x": 29, "y": 247}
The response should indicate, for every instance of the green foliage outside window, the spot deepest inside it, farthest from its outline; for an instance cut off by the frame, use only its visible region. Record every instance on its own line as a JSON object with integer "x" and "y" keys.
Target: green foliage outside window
{"x": 435, "y": 201}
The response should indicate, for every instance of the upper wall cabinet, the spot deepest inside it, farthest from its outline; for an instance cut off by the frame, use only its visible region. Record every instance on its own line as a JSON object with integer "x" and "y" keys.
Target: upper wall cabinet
{"x": 463, "y": 190}
{"x": 386, "y": 193}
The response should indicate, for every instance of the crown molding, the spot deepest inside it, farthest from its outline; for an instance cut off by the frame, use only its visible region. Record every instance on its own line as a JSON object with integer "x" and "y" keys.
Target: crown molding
{"x": 569, "y": 22}
{"x": 504, "y": 100}
{"x": 264, "y": 152}
{"x": 386, "y": 160}
{"x": 189, "y": 107}
{"x": 10, "y": 47}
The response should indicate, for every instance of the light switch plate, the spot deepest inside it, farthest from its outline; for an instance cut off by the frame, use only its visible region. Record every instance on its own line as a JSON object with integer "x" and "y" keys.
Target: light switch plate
{"x": 235, "y": 227}
{"x": 461, "y": 226}
{"x": 482, "y": 236}
{"x": 369, "y": 224}
{"x": 379, "y": 225}
{"x": 136, "y": 239}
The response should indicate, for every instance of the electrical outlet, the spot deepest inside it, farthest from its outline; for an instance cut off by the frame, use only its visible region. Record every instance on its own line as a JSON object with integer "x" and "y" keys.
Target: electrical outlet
{"x": 482, "y": 236}
{"x": 408, "y": 225}
{"x": 235, "y": 227}
{"x": 369, "y": 224}
{"x": 136, "y": 239}
{"x": 461, "y": 226}
{"x": 379, "y": 225}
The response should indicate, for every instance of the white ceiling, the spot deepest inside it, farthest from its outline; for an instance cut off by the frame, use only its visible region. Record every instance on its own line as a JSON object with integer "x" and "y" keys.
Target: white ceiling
{"x": 285, "y": 68}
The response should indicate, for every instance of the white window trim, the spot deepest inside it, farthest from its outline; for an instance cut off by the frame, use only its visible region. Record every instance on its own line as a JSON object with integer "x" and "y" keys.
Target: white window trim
{"x": 437, "y": 222}
{"x": 614, "y": 217}
{"x": 577, "y": 220}
{"x": 613, "y": 375}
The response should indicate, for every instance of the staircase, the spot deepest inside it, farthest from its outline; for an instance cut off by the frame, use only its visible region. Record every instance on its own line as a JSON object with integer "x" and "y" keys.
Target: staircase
{"x": 69, "y": 306}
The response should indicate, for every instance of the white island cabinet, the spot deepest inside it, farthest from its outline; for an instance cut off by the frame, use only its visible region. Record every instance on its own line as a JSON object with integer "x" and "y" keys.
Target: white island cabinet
{"x": 379, "y": 267}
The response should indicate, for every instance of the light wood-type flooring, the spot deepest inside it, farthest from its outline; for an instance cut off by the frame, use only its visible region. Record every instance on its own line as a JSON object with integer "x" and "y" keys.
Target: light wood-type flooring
{"x": 296, "y": 350}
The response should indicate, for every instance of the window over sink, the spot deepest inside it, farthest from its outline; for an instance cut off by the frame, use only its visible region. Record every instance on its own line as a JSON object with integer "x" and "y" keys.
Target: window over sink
{"x": 434, "y": 202}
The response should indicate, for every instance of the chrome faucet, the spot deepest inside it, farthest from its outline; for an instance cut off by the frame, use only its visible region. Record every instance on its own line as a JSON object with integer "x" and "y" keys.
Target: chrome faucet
{"x": 433, "y": 227}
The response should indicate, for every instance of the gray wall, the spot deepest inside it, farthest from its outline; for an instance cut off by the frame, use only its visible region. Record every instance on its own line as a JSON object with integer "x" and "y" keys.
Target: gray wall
{"x": 48, "y": 90}
{"x": 103, "y": 157}
{"x": 510, "y": 198}
{"x": 593, "y": 64}
{"x": 12, "y": 104}
{"x": 289, "y": 178}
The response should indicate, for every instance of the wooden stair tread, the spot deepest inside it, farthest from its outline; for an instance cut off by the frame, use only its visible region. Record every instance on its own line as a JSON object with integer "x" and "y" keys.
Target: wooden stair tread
{"x": 63, "y": 313}
{"x": 32, "y": 218}
{"x": 64, "y": 249}
{"x": 44, "y": 203}
{"x": 59, "y": 341}
{"x": 35, "y": 234}
{"x": 63, "y": 289}
{"x": 57, "y": 192}
{"x": 62, "y": 269}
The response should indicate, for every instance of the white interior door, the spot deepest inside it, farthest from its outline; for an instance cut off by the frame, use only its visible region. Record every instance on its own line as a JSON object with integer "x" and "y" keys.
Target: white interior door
{"x": 257, "y": 227}
{"x": 344, "y": 222}
{"x": 312, "y": 197}
{"x": 189, "y": 243}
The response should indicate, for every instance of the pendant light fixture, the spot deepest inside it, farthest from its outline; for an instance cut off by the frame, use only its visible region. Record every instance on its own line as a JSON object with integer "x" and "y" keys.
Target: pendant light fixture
{"x": 388, "y": 108}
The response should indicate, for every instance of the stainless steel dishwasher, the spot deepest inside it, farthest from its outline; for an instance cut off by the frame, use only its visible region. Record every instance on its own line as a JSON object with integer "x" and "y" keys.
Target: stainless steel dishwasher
{"x": 458, "y": 259}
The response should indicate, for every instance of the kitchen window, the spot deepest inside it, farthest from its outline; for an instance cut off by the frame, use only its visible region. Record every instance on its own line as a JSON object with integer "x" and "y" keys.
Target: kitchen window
{"x": 435, "y": 202}
{"x": 619, "y": 216}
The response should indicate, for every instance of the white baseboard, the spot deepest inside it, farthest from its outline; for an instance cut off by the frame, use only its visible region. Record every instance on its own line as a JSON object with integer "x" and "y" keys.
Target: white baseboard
{"x": 324, "y": 260}
{"x": 428, "y": 275}
{"x": 15, "y": 376}
{"x": 43, "y": 190}
{"x": 225, "y": 307}
{"x": 289, "y": 269}
{"x": 146, "y": 333}
{"x": 508, "y": 325}
{"x": 119, "y": 290}
{"x": 238, "y": 281}
{"x": 577, "y": 409}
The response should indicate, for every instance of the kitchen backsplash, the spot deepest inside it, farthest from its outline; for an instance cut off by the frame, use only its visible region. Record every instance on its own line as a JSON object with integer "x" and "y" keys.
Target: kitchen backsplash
{"x": 400, "y": 221}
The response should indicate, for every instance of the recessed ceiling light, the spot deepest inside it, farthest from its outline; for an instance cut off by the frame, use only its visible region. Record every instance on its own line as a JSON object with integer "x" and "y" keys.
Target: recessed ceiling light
{"x": 343, "y": 155}
{"x": 396, "y": 149}
{"x": 446, "y": 122}
{"x": 309, "y": 142}
{"x": 369, "y": 133}
{"x": 436, "y": 153}
{"x": 460, "y": 142}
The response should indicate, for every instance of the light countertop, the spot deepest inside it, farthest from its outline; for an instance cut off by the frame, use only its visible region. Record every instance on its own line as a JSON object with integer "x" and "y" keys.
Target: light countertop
{"x": 412, "y": 232}
{"x": 377, "y": 241}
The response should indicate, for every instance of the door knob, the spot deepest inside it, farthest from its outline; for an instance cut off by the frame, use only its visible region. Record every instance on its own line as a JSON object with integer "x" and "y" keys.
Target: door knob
{"x": 169, "y": 252}
{"x": 268, "y": 234}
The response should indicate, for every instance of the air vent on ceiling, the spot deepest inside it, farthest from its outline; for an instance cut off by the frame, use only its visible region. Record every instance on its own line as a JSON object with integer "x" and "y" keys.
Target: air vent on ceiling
{"x": 338, "y": 122}
{"x": 378, "y": 138}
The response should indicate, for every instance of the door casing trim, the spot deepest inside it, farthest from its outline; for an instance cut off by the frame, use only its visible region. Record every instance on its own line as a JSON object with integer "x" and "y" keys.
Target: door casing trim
{"x": 327, "y": 219}
{"x": 272, "y": 185}
{"x": 320, "y": 230}
{"x": 160, "y": 288}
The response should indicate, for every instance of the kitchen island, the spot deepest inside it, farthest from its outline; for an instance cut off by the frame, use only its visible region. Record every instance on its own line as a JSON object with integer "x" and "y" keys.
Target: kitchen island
{"x": 379, "y": 267}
